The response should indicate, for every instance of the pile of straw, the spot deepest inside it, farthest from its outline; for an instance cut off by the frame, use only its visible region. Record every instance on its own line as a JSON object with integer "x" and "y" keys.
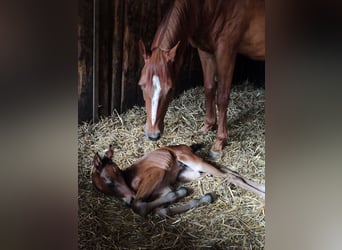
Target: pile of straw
{"x": 236, "y": 220}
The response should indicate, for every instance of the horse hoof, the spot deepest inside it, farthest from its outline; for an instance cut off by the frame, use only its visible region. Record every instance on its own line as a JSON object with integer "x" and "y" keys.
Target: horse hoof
{"x": 215, "y": 154}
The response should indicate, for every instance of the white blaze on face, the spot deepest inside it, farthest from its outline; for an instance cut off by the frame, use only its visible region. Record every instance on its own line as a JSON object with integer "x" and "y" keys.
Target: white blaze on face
{"x": 155, "y": 98}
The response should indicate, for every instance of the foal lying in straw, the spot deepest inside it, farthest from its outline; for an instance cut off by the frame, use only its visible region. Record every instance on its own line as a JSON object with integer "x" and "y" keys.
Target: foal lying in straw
{"x": 147, "y": 185}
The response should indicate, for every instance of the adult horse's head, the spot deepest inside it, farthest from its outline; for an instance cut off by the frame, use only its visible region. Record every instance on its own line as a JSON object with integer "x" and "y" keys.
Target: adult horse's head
{"x": 157, "y": 84}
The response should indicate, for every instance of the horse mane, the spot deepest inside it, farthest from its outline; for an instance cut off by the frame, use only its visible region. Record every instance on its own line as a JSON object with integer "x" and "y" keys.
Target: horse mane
{"x": 181, "y": 19}
{"x": 172, "y": 26}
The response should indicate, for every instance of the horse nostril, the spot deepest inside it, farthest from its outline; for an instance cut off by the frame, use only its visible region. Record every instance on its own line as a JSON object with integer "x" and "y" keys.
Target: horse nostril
{"x": 154, "y": 137}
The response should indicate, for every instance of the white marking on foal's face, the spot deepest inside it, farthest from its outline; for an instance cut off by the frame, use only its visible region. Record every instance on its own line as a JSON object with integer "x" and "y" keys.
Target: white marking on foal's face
{"x": 155, "y": 98}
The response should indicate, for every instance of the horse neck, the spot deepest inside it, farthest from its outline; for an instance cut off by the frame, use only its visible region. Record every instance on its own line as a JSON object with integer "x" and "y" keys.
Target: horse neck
{"x": 175, "y": 27}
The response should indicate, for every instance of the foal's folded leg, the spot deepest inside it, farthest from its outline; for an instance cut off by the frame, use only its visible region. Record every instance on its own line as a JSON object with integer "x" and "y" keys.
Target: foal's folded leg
{"x": 207, "y": 198}
{"x": 143, "y": 208}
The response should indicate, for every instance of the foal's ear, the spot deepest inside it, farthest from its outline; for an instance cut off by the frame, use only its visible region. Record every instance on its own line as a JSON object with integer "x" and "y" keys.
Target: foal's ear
{"x": 97, "y": 161}
{"x": 109, "y": 152}
{"x": 170, "y": 55}
{"x": 142, "y": 49}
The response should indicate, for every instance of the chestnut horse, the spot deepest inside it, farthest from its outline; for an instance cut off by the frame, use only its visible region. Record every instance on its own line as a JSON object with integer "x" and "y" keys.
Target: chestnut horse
{"x": 219, "y": 29}
{"x": 148, "y": 184}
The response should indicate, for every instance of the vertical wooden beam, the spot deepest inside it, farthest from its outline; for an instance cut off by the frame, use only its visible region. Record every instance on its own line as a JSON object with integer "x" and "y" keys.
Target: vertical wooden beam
{"x": 105, "y": 56}
{"x": 96, "y": 11}
{"x": 117, "y": 53}
{"x": 85, "y": 68}
{"x": 130, "y": 74}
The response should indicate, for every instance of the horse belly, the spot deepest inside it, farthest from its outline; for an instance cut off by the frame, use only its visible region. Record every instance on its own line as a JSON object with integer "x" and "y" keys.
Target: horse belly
{"x": 253, "y": 39}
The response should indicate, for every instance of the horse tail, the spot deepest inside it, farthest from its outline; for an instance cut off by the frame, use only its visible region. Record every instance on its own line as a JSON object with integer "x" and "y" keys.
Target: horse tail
{"x": 196, "y": 146}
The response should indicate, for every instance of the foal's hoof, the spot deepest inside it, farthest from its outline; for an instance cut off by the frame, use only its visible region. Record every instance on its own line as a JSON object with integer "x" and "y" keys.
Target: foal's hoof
{"x": 163, "y": 212}
{"x": 182, "y": 192}
{"x": 208, "y": 198}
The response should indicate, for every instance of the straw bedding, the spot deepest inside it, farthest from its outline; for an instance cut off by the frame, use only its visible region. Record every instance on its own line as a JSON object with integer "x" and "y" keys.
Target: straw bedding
{"x": 236, "y": 220}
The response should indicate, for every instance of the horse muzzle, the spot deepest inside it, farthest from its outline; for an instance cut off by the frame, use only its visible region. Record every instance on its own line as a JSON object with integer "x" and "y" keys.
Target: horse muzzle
{"x": 153, "y": 136}
{"x": 155, "y": 133}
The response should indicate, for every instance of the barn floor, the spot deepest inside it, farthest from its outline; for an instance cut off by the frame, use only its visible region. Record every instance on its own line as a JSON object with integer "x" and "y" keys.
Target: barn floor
{"x": 236, "y": 220}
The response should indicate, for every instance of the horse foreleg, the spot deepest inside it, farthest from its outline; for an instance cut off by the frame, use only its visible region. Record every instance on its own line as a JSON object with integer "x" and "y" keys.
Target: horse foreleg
{"x": 143, "y": 208}
{"x": 209, "y": 70}
{"x": 207, "y": 198}
{"x": 225, "y": 61}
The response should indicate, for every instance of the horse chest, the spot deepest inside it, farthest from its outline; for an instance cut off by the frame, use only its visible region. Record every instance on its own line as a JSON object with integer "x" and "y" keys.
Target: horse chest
{"x": 201, "y": 42}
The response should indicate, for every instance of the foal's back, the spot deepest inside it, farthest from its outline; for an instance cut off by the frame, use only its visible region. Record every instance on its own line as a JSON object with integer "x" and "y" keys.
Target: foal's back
{"x": 153, "y": 175}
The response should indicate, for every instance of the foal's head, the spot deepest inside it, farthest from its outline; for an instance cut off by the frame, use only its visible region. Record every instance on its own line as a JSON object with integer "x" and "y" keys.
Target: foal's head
{"x": 157, "y": 84}
{"x": 107, "y": 177}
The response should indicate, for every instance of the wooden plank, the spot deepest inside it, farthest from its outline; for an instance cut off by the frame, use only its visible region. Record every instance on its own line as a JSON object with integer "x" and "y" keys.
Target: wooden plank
{"x": 148, "y": 21}
{"x": 105, "y": 51}
{"x": 130, "y": 72}
{"x": 117, "y": 54}
{"x": 96, "y": 14}
{"x": 85, "y": 68}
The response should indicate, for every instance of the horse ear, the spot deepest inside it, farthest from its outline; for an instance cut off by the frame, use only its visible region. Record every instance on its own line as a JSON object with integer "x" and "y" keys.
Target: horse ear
{"x": 170, "y": 55}
{"x": 142, "y": 49}
{"x": 97, "y": 161}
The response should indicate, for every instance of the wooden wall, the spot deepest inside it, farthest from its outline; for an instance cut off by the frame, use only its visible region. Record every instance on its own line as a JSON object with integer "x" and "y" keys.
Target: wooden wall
{"x": 119, "y": 24}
